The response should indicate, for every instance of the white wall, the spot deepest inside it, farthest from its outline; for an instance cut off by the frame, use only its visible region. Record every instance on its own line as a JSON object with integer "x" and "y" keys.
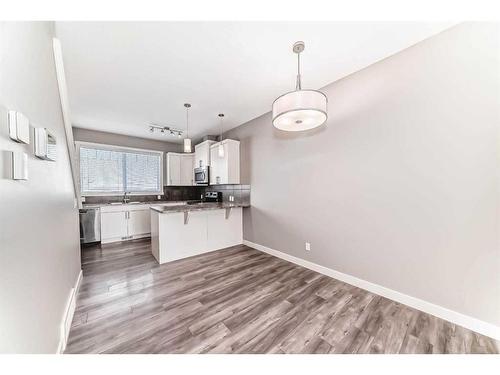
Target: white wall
{"x": 39, "y": 238}
{"x": 401, "y": 188}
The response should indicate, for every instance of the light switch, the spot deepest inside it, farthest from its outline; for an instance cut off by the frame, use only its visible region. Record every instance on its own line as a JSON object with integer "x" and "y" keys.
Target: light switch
{"x": 19, "y": 165}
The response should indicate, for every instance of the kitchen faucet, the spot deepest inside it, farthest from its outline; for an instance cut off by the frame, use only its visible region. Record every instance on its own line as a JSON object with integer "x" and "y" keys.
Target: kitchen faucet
{"x": 126, "y": 199}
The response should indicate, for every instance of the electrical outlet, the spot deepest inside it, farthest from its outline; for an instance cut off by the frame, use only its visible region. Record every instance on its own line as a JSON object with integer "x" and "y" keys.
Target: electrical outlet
{"x": 231, "y": 198}
{"x": 308, "y": 246}
{"x": 159, "y": 196}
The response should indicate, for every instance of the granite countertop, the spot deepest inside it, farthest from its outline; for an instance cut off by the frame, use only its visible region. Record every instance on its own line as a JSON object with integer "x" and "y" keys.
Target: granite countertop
{"x": 197, "y": 207}
{"x": 93, "y": 205}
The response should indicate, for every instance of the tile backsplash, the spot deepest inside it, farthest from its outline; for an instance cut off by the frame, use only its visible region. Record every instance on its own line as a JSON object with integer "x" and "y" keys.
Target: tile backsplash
{"x": 241, "y": 194}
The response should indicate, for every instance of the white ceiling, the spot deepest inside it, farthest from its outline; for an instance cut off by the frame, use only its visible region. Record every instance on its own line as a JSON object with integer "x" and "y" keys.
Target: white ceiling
{"x": 123, "y": 75}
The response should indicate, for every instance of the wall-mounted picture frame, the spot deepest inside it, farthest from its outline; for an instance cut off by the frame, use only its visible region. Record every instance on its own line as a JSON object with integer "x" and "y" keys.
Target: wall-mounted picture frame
{"x": 19, "y": 127}
{"x": 45, "y": 144}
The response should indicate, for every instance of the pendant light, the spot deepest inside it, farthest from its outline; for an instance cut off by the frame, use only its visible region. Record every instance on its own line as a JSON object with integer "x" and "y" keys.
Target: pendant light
{"x": 221, "y": 146}
{"x": 300, "y": 109}
{"x": 187, "y": 140}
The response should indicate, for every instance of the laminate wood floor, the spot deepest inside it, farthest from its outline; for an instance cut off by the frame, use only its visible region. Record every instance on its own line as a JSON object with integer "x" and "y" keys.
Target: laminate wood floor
{"x": 239, "y": 300}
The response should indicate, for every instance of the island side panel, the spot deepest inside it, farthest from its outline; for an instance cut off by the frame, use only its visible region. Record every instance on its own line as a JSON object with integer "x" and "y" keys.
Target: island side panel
{"x": 155, "y": 240}
{"x": 179, "y": 240}
{"x": 224, "y": 232}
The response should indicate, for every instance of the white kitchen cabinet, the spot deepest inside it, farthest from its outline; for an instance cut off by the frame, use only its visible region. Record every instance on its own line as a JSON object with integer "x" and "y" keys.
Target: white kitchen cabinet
{"x": 226, "y": 169}
{"x": 125, "y": 222}
{"x": 216, "y": 167}
{"x": 139, "y": 223}
{"x": 175, "y": 236}
{"x": 113, "y": 226}
{"x": 179, "y": 169}
{"x": 187, "y": 169}
{"x": 202, "y": 154}
{"x": 173, "y": 169}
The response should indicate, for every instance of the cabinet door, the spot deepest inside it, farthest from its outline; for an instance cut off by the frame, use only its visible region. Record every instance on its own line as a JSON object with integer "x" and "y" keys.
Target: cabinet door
{"x": 201, "y": 155}
{"x": 186, "y": 163}
{"x": 173, "y": 169}
{"x": 217, "y": 164}
{"x": 113, "y": 226}
{"x": 223, "y": 166}
{"x": 219, "y": 172}
{"x": 139, "y": 222}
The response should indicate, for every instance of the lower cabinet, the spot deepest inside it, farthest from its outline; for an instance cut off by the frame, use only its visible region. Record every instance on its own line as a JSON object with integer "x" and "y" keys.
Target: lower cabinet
{"x": 119, "y": 224}
{"x": 139, "y": 223}
{"x": 175, "y": 236}
{"x": 113, "y": 226}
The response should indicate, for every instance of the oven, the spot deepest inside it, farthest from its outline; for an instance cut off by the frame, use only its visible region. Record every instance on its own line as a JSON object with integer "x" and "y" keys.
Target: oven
{"x": 201, "y": 176}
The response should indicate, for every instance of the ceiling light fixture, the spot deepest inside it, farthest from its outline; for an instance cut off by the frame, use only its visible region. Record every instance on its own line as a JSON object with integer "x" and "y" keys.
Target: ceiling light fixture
{"x": 164, "y": 130}
{"x": 221, "y": 146}
{"x": 187, "y": 140}
{"x": 300, "y": 109}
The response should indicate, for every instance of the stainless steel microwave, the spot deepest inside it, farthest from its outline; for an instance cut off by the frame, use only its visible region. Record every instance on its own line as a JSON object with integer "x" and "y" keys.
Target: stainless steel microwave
{"x": 201, "y": 176}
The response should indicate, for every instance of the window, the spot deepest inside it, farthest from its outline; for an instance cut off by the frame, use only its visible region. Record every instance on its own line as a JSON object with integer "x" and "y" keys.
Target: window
{"x": 112, "y": 170}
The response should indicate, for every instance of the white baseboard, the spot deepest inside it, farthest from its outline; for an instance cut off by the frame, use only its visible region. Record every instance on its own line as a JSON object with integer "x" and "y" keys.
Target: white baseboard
{"x": 466, "y": 321}
{"x": 68, "y": 315}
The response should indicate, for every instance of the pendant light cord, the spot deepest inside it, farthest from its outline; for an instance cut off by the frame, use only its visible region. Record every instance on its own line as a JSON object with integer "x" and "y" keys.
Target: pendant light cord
{"x": 187, "y": 122}
{"x": 221, "y": 116}
{"x": 298, "y": 85}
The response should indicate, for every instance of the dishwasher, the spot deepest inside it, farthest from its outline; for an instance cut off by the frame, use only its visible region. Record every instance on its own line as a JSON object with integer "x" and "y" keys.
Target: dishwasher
{"x": 90, "y": 225}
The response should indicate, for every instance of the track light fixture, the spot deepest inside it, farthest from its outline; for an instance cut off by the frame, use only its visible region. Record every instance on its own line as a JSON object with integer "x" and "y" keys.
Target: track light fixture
{"x": 165, "y": 130}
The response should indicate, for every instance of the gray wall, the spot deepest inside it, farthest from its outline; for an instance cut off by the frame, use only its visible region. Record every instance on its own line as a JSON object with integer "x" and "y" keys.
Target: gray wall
{"x": 86, "y": 135}
{"x": 39, "y": 239}
{"x": 401, "y": 188}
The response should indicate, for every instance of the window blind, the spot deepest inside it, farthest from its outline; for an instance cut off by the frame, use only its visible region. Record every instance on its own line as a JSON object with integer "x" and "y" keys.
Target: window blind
{"x": 106, "y": 170}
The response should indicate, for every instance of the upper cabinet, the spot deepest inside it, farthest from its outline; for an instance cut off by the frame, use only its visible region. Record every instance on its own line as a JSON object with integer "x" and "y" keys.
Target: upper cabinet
{"x": 187, "y": 166}
{"x": 202, "y": 154}
{"x": 225, "y": 169}
{"x": 179, "y": 169}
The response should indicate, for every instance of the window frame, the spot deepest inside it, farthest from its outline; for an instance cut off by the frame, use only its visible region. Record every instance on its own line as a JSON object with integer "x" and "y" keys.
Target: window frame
{"x": 103, "y": 146}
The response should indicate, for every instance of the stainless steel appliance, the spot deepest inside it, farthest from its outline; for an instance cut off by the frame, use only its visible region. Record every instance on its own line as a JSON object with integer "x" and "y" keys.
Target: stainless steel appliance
{"x": 201, "y": 175}
{"x": 213, "y": 196}
{"x": 90, "y": 225}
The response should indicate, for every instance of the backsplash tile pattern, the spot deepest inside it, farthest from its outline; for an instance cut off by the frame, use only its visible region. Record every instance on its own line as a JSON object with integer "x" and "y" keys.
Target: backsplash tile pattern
{"x": 241, "y": 194}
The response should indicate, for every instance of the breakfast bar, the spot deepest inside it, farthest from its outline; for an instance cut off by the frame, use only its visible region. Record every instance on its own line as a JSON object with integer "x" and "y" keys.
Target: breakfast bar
{"x": 182, "y": 231}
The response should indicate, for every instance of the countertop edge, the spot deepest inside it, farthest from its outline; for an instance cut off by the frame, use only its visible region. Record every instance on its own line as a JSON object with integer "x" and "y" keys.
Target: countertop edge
{"x": 188, "y": 208}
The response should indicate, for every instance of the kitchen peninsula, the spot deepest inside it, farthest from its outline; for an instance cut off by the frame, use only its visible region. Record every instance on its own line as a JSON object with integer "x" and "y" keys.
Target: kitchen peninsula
{"x": 181, "y": 231}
